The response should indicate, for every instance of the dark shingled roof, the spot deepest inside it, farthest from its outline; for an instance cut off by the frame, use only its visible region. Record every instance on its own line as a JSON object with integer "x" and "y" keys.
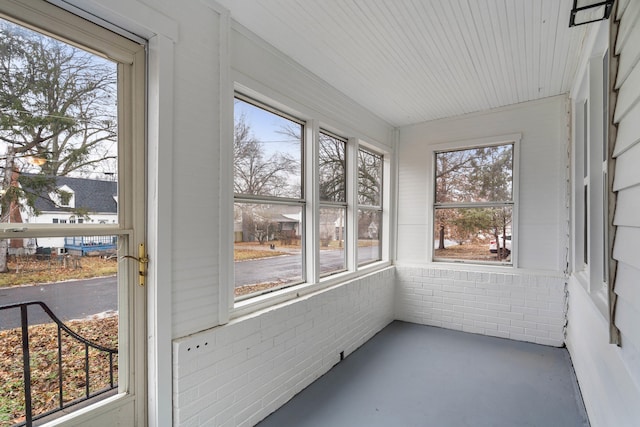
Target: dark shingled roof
{"x": 90, "y": 194}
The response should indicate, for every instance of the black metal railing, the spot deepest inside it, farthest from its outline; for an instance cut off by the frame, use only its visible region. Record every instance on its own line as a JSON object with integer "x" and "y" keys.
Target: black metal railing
{"x": 29, "y": 416}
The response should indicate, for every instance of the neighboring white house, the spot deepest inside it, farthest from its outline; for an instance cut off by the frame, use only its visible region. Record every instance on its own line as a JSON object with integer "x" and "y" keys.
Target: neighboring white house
{"x": 75, "y": 201}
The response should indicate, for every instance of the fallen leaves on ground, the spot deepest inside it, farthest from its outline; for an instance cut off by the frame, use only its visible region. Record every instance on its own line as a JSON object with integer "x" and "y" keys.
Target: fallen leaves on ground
{"x": 467, "y": 251}
{"x": 250, "y": 289}
{"x": 45, "y": 364}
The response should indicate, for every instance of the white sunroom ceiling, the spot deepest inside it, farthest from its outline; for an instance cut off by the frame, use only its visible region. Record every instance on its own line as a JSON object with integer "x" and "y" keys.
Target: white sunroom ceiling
{"x": 411, "y": 61}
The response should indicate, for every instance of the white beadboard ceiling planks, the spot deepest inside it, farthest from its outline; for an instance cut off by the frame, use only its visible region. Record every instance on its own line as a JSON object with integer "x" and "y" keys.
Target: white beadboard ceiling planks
{"x": 411, "y": 61}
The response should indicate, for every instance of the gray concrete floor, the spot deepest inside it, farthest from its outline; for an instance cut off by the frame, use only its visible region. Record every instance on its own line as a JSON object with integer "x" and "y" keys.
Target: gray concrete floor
{"x": 413, "y": 375}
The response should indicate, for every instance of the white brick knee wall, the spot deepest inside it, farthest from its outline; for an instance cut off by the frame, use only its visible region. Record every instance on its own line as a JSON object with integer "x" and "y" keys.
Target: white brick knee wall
{"x": 237, "y": 374}
{"x": 520, "y": 305}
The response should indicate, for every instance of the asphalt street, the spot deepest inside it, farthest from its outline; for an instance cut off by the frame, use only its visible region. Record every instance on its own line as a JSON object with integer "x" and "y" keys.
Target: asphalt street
{"x": 74, "y": 299}
{"x": 287, "y": 268}
{"x": 78, "y": 299}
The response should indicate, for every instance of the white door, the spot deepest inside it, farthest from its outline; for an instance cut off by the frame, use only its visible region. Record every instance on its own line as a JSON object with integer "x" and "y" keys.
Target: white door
{"x": 72, "y": 219}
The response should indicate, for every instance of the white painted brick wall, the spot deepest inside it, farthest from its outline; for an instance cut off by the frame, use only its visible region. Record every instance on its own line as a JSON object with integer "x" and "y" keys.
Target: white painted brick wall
{"x": 237, "y": 374}
{"x": 520, "y": 305}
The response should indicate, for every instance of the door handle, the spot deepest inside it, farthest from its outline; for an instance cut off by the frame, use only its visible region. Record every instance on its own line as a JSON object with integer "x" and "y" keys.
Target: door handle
{"x": 142, "y": 260}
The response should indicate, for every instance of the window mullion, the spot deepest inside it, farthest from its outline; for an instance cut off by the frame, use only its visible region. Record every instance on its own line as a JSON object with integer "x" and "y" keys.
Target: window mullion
{"x": 312, "y": 197}
{"x": 246, "y": 198}
{"x": 324, "y": 204}
{"x": 352, "y": 202}
{"x": 595, "y": 206}
{"x": 473, "y": 205}
{"x": 385, "y": 221}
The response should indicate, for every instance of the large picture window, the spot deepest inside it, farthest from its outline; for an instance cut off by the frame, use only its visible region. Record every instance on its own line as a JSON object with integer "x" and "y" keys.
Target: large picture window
{"x": 474, "y": 204}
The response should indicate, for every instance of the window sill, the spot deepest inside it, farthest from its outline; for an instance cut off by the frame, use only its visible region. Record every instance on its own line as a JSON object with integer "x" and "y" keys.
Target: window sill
{"x": 597, "y": 294}
{"x": 468, "y": 266}
{"x": 104, "y": 408}
{"x": 265, "y": 301}
{"x": 472, "y": 263}
{"x": 479, "y": 268}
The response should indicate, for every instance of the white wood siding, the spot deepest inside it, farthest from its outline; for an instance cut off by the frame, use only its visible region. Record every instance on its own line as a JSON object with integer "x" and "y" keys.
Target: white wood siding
{"x": 627, "y": 181}
{"x": 628, "y": 132}
{"x": 627, "y": 41}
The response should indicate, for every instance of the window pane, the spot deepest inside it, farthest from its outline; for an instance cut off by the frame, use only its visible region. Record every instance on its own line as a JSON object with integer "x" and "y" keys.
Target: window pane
{"x": 585, "y": 227}
{"x": 482, "y": 174}
{"x": 267, "y": 249}
{"x": 479, "y": 234}
{"x": 59, "y": 129}
{"x": 369, "y": 178}
{"x": 333, "y": 180}
{"x": 332, "y": 240}
{"x": 76, "y": 279}
{"x": 267, "y": 153}
{"x": 369, "y": 232}
{"x": 585, "y": 138}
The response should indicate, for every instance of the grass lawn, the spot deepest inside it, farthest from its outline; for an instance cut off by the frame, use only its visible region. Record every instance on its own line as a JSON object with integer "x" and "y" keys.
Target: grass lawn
{"x": 245, "y": 254}
{"x": 30, "y": 270}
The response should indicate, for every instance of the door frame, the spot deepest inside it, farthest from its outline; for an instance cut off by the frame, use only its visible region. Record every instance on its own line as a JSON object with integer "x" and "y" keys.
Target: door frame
{"x": 129, "y": 406}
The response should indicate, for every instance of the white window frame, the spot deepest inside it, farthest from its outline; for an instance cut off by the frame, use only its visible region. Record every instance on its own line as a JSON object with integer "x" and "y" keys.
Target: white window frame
{"x": 313, "y": 281}
{"x": 590, "y": 230}
{"x": 325, "y": 204}
{"x": 470, "y": 144}
{"x": 374, "y": 208}
{"x": 300, "y": 201}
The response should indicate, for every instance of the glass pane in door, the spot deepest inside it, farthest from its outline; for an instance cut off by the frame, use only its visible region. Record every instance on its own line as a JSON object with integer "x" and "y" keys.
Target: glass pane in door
{"x": 58, "y": 193}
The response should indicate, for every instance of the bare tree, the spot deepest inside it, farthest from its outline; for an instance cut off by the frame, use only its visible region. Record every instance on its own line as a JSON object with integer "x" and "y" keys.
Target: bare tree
{"x": 369, "y": 178}
{"x": 58, "y": 113}
{"x": 58, "y": 103}
{"x": 478, "y": 175}
{"x": 492, "y": 176}
{"x": 255, "y": 174}
{"x": 369, "y": 194}
{"x": 332, "y": 169}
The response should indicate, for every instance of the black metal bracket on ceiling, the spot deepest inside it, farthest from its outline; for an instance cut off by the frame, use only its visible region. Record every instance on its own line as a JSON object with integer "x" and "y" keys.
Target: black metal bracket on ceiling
{"x": 587, "y": 11}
